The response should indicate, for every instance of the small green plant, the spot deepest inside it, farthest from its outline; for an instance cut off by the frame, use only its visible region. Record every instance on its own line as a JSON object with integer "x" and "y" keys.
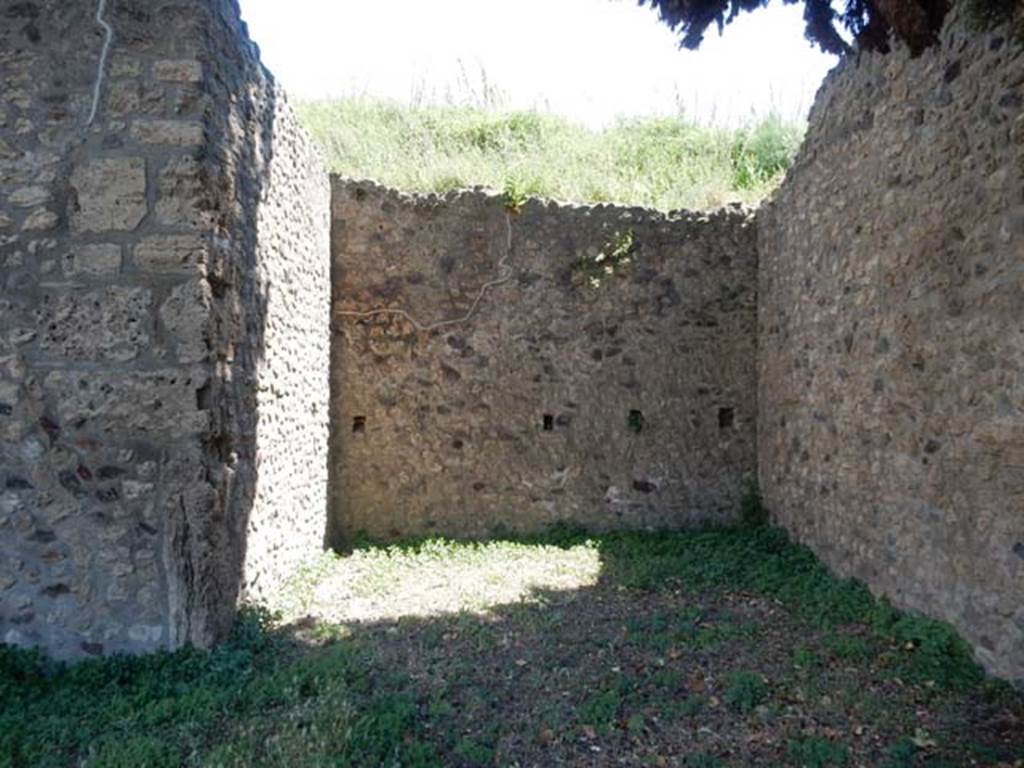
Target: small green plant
{"x": 472, "y": 751}
{"x": 600, "y": 710}
{"x": 850, "y": 647}
{"x": 616, "y": 253}
{"x": 901, "y": 753}
{"x": 253, "y": 628}
{"x": 816, "y": 752}
{"x": 986, "y": 753}
{"x": 805, "y": 658}
{"x": 703, "y": 760}
{"x": 745, "y": 691}
{"x": 514, "y": 196}
{"x": 691, "y": 706}
{"x": 668, "y": 680}
{"x": 636, "y": 724}
{"x": 752, "y": 510}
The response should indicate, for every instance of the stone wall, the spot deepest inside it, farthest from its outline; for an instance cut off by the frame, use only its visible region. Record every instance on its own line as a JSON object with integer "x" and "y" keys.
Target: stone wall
{"x": 163, "y": 312}
{"x": 166, "y": 328}
{"x": 627, "y": 405}
{"x": 272, "y": 265}
{"x": 891, "y": 397}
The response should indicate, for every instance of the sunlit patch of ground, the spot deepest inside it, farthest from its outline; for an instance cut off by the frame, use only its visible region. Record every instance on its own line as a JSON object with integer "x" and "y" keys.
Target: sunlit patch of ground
{"x": 434, "y": 578}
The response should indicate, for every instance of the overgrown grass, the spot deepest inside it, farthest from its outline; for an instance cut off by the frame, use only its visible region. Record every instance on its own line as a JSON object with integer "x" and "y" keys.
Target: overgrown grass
{"x": 761, "y": 559}
{"x": 253, "y": 701}
{"x": 629, "y": 661}
{"x": 658, "y": 162}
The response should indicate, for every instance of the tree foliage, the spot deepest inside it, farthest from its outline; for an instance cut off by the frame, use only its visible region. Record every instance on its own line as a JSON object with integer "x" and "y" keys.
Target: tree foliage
{"x": 870, "y": 23}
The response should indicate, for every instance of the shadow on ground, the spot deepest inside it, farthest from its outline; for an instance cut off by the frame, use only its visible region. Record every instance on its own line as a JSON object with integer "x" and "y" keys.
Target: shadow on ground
{"x": 708, "y": 648}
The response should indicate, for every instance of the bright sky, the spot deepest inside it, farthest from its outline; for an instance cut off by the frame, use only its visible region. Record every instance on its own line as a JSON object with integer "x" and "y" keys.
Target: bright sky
{"x": 591, "y": 60}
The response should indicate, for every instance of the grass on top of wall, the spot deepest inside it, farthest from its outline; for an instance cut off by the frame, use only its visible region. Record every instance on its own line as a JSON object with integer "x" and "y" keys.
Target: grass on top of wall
{"x": 664, "y": 163}
{"x": 716, "y": 647}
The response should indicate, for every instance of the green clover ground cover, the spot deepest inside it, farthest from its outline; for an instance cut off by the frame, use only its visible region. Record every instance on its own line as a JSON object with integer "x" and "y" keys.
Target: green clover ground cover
{"x": 715, "y": 647}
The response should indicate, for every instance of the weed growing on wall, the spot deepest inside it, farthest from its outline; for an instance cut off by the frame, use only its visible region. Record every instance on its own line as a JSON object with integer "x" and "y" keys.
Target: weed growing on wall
{"x": 616, "y": 254}
{"x": 514, "y": 195}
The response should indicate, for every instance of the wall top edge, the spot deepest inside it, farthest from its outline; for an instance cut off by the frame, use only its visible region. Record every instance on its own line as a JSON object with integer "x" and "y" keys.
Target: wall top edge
{"x": 369, "y": 189}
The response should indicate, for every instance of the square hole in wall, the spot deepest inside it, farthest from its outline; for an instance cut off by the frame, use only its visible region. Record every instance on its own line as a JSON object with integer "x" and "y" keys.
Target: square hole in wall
{"x": 726, "y": 418}
{"x": 358, "y": 424}
{"x": 635, "y": 420}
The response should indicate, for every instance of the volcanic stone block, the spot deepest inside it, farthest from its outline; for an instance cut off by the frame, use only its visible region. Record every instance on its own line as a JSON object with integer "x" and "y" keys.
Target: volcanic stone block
{"x": 161, "y": 403}
{"x": 185, "y": 254}
{"x": 117, "y": 319}
{"x": 110, "y": 194}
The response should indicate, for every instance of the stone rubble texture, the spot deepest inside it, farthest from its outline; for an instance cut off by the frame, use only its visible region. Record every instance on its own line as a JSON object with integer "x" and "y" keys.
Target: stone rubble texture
{"x": 164, "y": 310}
{"x": 891, "y": 377}
{"x": 168, "y": 341}
{"x": 443, "y": 431}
